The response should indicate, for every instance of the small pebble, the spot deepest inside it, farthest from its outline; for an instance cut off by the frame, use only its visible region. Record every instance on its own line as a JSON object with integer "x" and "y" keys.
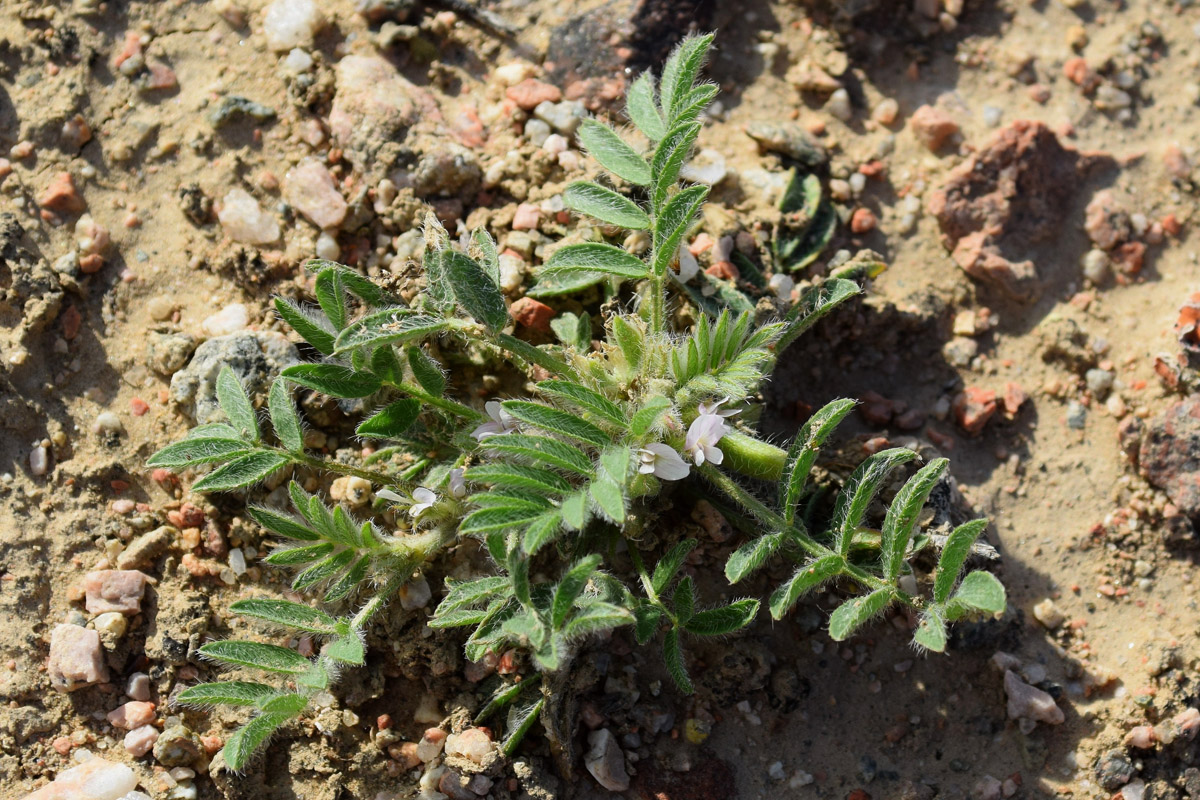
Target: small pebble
{"x": 839, "y": 105}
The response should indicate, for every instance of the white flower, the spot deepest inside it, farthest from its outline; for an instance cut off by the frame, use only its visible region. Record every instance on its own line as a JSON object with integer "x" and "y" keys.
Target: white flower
{"x": 714, "y": 410}
{"x": 702, "y": 437}
{"x": 501, "y": 423}
{"x": 688, "y": 265}
{"x": 388, "y": 494}
{"x": 423, "y": 499}
{"x": 661, "y": 460}
{"x": 458, "y": 486}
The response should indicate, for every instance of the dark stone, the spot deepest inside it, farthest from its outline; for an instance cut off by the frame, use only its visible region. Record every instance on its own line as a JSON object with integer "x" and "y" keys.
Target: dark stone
{"x": 1114, "y": 770}
{"x": 709, "y": 778}
{"x": 195, "y": 204}
{"x": 233, "y": 108}
{"x": 1169, "y": 456}
{"x": 787, "y": 689}
{"x": 590, "y": 53}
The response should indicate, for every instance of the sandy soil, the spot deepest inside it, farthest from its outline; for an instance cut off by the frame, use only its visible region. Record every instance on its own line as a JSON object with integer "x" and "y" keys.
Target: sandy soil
{"x": 1073, "y": 520}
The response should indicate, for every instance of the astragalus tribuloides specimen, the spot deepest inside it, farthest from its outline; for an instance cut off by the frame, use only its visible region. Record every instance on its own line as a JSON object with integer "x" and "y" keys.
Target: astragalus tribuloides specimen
{"x": 563, "y": 483}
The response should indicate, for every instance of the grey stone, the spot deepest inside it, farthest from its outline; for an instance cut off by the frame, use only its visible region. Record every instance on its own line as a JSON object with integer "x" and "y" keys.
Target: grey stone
{"x": 255, "y": 357}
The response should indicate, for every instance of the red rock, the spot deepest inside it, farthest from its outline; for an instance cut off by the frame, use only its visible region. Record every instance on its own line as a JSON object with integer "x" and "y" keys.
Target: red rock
{"x": 527, "y": 217}
{"x": 1014, "y": 397}
{"x": 932, "y": 126}
{"x": 186, "y": 516}
{"x": 161, "y": 76}
{"x": 1141, "y": 737}
{"x": 1176, "y": 163}
{"x": 862, "y": 221}
{"x": 1129, "y": 257}
{"x": 973, "y": 407}
{"x": 725, "y": 270}
{"x": 61, "y": 196}
{"x": 532, "y": 314}
{"x": 1016, "y": 188}
{"x": 1039, "y": 93}
{"x": 529, "y": 92}
{"x": 138, "y": 406}
{"x": 1171, "y": 225}
{"x": 469, "y": 129}
{"x": 91, "y": 263}
{"x": 1169, "y": 454}
{"x": 131, "y": 47}
{"x": 876, "y": 409}
{"x": 1106, "y": 220}
{"x": 1079, "y": 73}
{"x": 133, "y": 714}
{"x": 406, "y": 754}
{"x": 114, "y": 590}
{"x": 76, "y": 658}
{"x": 910, "y": 420}
{"x": 71, "y": 322}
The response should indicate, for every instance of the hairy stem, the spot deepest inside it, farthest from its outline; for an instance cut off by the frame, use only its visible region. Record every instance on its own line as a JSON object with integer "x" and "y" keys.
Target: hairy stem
{"x": 648, "y": 585}
{"x": 753, "y": 457}
{"x": 340, "y": 468}
{"x": 456, "y": 408}
{"x": 379, "y": 599}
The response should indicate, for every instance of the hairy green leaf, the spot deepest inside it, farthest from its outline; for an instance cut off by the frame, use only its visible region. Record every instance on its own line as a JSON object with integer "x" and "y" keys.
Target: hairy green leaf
{"x": 807, "y": 578}
{"x": 392, "y": 421}
{"x": 313, "y": 327}
{"x": 331, "y": 295}
{"x": 357, "y": 284}
{"x": 669, "y": 157}
{"x": 570, "y": 587}
{"x": 954, "y": 555}
{"x": 334, "y": 380}
{"x": 630, "y": 339}
{"x": 673, "y": 657}
{"x": 236, "y": 405}
{"x": 596, "y": 617}
{"x": 555, "y": 421}
{"x": 594, "y": 257}
{"x": 267, "y": 657}
{"x": 518, "y": 476}
{"x": 803, "y": 452}
{"x": 427, "y": 371}
{"x": 390, "y": 326}
{"x": 681, "y": 70}
{"x": 668, "y": 566}
{"x": 931, "y": 631}
{"x": 573, "y": 331}
{"x": 575, "y": 509}
{"x": 284, "y": 418}
{"x": 902, "y": 515}
{"x": 226, "y": 693}
{"x": 646, "y": 419}
{"x": 541, "y": 531}
{"x": 858, "y": 492}
{"x": 477, "y": 293}
{"x": 347, "y": 649}
{"x": 242, "y": 471}
{"x": 594, "y": 200}
{"x": 814, "y": 304}
{"x": 850, "y": 615}
{"x": 495, "y": 519}
{"x": 613, "y": 153}
{"x": 723, "y": 620}
{"x": 350, "y": 579}
{"x": 752, "y": 555}
{"x": 586, "y": 399}
{"x": 466, "y": 593}
{"x": 285, "y": 703}
{"x": 981, "y": 591}
{"x": 540, "y": 450}
{"x": 564, "y": 282}
{"x": 287, "y": 614}
{"x": 684, "y": 599}
{"x": 323, "y": 570}
{"x": 641, "y": 106}
{"x": 242, "y": 745}
{"x": 190, "y": 452}
{"x": 483, "y": 250}
{"x": 673, "y": 223}
{"x": 292, "y": 556}
{"x": 647, "y": 620}
{"x": 521, "y": 717}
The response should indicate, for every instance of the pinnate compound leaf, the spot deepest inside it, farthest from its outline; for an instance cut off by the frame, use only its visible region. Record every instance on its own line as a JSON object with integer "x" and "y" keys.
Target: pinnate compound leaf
{"x": 467, "y": 593}
{"x": 313, "y": 327}
{"x": 190, "y": 452}
{"x": 852, "y": 614}
{"x": 246, "y": 740}
{"x": 752, "y": 555}
{"x": 902, "y": 515}
{"x": 723, "y": 620}
{"x": 242, "y": 471}
{"x": 613, "y": 153}
{"x": 350, "y": 579}
{"x": 483, "y": 250}
{"x": 981, "y": 591}
{"x": 226, "y": 693}
{"x": 287, "y": 614}
{"x": 807, "y": 578}
{"x": 642, "y": 107}
{"x": 477, "y": 293}
{"x": 541, "y": 450}
{"x": 859, "y": 490}
{"x": 673, "y": 657}
{"x": 236, "y": 405}
{"x": 334, "y": 380}
{"x": 586, "y": 399}
{"x": 391, "y": 421}
{"x": 284, "y": 418}
{"x": 669, "y": 157}
{"x": 646, "y": 621}
{"x": 680, "y": 72}
{"x": 803, "y": 452}
{"x": 594, "y": 257}
{"x": 594, "y": 200}
{"x": 267, "y": 657}
{"x": 954, "y": 555}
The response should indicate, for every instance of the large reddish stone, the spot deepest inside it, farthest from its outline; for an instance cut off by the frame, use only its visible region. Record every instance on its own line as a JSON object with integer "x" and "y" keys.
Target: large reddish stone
{"x": 1169, "y": 455}
{"x": 973, "y": 408}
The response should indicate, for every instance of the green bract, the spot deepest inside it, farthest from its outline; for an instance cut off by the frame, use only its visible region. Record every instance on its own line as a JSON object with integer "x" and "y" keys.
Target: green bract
{"x": 563, "y": 482}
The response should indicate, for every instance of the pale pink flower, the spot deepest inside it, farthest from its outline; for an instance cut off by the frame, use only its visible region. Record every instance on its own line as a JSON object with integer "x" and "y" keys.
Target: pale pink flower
{"x": 702, "y": 437}
{"x": 458, "y": 486}
{"x": 423, "y": 500}
{"x": 501, "y": 422}
{"x": 662, "y": 461}
{"x": 714, "y": 409}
